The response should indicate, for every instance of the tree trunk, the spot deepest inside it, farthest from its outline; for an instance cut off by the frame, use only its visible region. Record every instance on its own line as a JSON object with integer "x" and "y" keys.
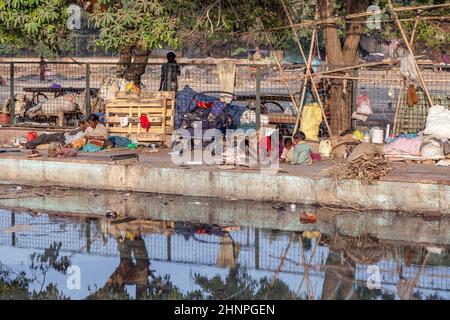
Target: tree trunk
{"x": 339, "y": 55}
{"x": 339, "y": 278}
{"x": 132, "y": 63}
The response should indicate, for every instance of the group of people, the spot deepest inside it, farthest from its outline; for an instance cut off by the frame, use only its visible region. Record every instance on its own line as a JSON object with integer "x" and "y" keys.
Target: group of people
{"x": 296, "y": 151}
{"x": 90, "y": 132}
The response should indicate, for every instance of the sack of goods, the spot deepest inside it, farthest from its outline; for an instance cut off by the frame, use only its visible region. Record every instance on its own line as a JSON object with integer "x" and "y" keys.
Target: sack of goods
{"x": 325, "y": 148}
{"x": 363, "y": 105}
{"x": 311, "y": 120}
{"x": 432, "y": 148}
{"x": 438, "y": 122}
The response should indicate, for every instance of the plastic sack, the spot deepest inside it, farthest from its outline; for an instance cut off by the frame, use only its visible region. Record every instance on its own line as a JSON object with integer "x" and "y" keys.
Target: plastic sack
{"x": 325, "y": 148}
{"x": 438, "y": 122}
{"x": 432, "y": 151}
{"x": 311, "y": 120}
{"x": 363, "y": 105}
{"x": 432, "y": 148}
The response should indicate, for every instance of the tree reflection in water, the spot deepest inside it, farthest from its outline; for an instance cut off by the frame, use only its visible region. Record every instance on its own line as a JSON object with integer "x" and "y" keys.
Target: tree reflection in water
{"x": 134, "y": 269}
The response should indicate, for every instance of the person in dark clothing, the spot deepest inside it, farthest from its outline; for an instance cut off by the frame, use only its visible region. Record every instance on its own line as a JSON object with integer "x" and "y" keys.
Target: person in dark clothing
{"x": 42, "y": 69}
{"x": 61, "y": 137}
{"x": 169, "y": 74}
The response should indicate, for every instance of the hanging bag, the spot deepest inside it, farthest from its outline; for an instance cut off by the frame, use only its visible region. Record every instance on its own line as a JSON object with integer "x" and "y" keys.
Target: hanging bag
{"x": 363, "y": 105}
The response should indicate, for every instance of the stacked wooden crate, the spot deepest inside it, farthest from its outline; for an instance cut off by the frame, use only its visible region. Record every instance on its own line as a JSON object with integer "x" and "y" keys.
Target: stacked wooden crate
{"x": 159, "y": 107}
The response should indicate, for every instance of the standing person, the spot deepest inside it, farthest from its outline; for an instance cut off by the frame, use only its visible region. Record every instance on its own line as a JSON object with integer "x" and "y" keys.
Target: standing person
{"x": 42, "y": 68}
{"x": 445, "y": 59}
{"x": 209, "y": 68}
{"x": 169, "y": 74}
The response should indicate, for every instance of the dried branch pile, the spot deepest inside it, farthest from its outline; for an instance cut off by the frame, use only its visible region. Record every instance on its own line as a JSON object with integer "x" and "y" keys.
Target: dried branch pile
{"x": 365, "y": 171}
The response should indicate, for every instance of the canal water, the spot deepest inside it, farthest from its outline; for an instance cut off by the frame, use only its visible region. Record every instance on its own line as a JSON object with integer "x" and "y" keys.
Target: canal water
{"x": 185, "y": 248}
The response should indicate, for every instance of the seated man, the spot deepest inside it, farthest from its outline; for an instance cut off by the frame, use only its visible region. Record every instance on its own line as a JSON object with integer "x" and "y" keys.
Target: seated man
{"x": 96, "y": 133}
{"x": 61, "y": 137}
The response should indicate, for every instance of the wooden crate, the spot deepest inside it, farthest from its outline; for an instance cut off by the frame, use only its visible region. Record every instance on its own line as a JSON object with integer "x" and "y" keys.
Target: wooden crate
{"x": 159, "y": 107}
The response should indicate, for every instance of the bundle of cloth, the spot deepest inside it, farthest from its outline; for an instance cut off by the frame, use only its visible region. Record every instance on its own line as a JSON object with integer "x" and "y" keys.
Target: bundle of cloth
{"x": 408, "y": 144}
{"x": 191, "y": 108}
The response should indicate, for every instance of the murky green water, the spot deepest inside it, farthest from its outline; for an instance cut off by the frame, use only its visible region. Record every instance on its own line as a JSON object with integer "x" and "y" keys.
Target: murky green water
{"x": 64, "y": 255}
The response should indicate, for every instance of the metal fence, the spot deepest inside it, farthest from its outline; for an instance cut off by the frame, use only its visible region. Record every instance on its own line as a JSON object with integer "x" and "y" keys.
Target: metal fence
{"x": 40, "y": 98}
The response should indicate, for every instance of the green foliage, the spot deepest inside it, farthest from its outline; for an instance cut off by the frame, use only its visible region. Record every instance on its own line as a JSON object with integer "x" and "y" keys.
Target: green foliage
{"x": 124, "y": 24}
{"x": 27, "y": 23}
{"x": 239, "y": 285}
{"x": 17, "y": 286}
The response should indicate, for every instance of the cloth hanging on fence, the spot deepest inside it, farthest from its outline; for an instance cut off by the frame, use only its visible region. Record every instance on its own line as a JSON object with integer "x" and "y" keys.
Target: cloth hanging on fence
{"x": 123, "y": 121}
{"x": 413, "y": 97}
{"x": 408, "y": 68}
{"x": 227, "y": 74}
{"x": 145, "y": 124}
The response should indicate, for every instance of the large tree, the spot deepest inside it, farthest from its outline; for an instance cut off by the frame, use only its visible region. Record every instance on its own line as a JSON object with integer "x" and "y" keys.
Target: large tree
{"x": 342, "y": 49}
{"x": 35, "y": 24}
{"x": 133, "y": 29}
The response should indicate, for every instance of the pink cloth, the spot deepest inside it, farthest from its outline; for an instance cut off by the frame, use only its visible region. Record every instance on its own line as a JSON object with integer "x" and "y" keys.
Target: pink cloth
{"x": 404, "y": 145}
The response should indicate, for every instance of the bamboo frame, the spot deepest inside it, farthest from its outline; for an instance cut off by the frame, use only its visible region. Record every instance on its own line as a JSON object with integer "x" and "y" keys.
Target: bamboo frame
{"x": 405, "y": 40}
{"x": 308, "y": 71}
{"x": 305, "y": 79}
{"x": 283, "y": 75}
{"x": 413, "y": 34}
{"x": 397, "y": 109}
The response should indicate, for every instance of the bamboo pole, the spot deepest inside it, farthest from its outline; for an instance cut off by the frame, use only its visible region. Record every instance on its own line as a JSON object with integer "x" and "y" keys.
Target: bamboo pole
{"x": 308, "y": 71}
{"x": 305, "y": 82}
{"x": 424, "y": 7}
{"x": 282, "y": 258}
{"x": 307, "y": 76}
{"x": 283, "y": 76}
{"x": 312, "y": 23}
{"x": 413, "y": 34}
{"x": 397, "y": 109}
{"x": 405, "y": 39}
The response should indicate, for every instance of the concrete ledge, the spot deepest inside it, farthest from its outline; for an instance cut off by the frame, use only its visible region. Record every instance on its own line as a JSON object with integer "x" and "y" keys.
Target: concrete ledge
{"x": 256, "y": 186}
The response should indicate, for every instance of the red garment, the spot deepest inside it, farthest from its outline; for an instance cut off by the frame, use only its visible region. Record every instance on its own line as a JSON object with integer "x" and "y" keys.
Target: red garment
{"x": 144, "y": 122}
{"x": 204, "y": 105}
{"x": 267, "y": 145}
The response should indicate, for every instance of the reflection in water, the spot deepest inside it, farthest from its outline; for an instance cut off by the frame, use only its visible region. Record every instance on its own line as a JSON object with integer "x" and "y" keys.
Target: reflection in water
{"x": 152, "y": 259}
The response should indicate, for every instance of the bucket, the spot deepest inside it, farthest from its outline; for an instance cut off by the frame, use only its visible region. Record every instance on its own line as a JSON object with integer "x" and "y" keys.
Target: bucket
{"x": 377, "y": 135}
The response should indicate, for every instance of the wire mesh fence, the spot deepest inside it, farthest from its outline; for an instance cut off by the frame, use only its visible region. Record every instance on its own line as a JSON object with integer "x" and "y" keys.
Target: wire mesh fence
{"x": 60, "y": 93}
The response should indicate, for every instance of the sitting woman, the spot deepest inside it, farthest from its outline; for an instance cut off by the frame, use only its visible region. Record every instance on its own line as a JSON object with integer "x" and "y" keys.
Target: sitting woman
{"x": 95, "y": 135}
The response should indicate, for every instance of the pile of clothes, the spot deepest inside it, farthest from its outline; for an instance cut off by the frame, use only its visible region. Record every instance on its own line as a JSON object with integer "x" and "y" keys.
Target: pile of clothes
{"x": 192, "y": 108}
{"x": 431, "y": 144}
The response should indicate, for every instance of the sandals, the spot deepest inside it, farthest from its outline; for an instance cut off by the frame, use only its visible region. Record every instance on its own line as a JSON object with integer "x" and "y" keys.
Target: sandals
{"x": 112, "y": 215}
{"x": 34, "y": 154}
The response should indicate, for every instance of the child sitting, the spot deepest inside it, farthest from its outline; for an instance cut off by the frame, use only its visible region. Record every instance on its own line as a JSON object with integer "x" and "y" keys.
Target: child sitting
{"x": 302, "y": 150}
{"x": 288, "y": 150}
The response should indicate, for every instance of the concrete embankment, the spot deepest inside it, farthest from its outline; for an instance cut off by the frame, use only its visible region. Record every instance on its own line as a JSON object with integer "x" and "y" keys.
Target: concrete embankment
{"x": 409, "y": 196}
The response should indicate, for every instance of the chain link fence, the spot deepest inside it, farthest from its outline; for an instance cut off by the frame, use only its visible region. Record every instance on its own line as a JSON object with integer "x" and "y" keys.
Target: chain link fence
{"x": 54, "y": 94}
